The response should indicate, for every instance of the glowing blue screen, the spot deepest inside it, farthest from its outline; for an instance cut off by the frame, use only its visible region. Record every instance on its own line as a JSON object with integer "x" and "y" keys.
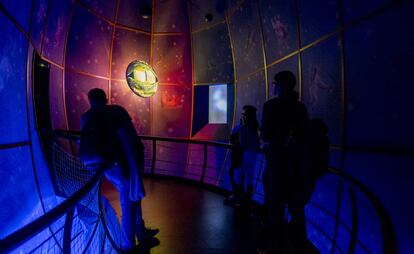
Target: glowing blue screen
{"x": 217, "y": 104}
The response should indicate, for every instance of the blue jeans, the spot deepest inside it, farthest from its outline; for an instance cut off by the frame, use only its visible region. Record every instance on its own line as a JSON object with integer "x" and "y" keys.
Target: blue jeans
{"x": 132, "y": 223}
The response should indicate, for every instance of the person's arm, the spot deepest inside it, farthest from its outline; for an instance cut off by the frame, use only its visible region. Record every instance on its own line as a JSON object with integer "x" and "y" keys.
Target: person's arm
{"x": 127, "y": 138}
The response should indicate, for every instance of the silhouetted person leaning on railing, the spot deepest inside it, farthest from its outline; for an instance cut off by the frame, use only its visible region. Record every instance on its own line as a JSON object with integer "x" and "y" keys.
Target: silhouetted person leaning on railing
{"x": 284, "y": 122}
{"x": 109, "y": 142}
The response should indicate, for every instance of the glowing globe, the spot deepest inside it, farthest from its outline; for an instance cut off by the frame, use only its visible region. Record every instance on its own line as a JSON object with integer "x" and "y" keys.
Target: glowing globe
{"x": 141, "y": 78}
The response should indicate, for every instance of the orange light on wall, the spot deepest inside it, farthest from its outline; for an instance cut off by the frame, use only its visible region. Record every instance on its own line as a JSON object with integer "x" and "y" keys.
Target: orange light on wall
{"x": 141, "y": 79}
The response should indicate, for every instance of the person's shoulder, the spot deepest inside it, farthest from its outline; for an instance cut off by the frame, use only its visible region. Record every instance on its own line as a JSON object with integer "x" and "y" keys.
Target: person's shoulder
{"x": 118, "y": 112}
{"x": 271, "y": 102}
{"x": 116, "y": 108}
{"x": 88, "y": 114}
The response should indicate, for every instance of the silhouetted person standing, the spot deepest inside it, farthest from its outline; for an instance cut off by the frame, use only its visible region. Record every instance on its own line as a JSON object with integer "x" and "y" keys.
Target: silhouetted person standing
{"x": 284, "y": 122}
{"x": 250, "y": 144}
{"x": 109, "y": 142}
{"x": 235, "y": 166}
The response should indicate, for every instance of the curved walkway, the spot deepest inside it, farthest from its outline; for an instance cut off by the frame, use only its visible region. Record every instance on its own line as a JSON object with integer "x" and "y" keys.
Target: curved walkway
{"x": 192, "y": 220}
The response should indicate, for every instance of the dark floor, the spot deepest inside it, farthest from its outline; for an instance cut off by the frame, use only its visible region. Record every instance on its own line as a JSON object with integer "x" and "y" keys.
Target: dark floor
{"x": 192, "y": 220}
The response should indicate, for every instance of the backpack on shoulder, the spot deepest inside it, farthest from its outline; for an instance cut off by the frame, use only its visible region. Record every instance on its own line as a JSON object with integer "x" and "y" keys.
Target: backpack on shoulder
{"x": 318, "y": 147}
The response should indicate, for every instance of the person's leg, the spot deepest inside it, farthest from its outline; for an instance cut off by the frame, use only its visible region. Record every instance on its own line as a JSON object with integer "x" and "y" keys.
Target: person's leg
{"x": 298, "y": 223}
{"x": 139, "y": 222}
{"x": 114, "y": 175}
{"x": 249, "y": 163}
{"x": 275, "y": 226}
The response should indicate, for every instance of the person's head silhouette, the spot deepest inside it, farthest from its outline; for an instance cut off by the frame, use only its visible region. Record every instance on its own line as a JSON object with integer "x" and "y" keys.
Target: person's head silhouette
{"x": 97, "y": 97}
{"x": 285, "y": 82}
{"x": 249, "y": 116}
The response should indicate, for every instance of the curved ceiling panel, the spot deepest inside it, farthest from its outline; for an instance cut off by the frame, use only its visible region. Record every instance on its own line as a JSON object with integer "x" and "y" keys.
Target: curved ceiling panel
{"x": 89, "y": 43}
{"x": 246, "y": 38}
{"x": 279, "y": 28}
{"x": 317, "y": 18}
{"x": 128, "y": 15}
{"x": 106, "y": 8}
{"x": 321, "y": 85}
{"x": 128, "y": 46}
{"x": 57, "y": 29}
{"x": 39, "y": 19}
{"x": 213, "y": 59}
{"x": 170, "y": 16}
{"x": 172, "y": 59}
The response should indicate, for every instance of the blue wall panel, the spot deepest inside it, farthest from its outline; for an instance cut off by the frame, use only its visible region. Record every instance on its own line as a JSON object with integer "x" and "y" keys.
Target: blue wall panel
{"x": 20, "y": 10}
{"x": 390, "y": 178}
{"x": 13, "y": 52}
{"x": 321, "y": 85}
{"x": 317, "y": 18}
{"x": 19, "y": 201}
{"x": 379, "y": 81}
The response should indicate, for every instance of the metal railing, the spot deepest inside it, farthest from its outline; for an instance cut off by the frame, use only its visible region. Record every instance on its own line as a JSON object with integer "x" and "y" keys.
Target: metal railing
{"x": 206, "y": 163}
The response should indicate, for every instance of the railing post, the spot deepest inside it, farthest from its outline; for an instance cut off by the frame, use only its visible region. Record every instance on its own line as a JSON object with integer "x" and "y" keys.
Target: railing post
{"x": 67, "y": 233}
{"x": 154, "y": 155}
{"x": 203, "y": 173}
{"x": 354, "y": 230}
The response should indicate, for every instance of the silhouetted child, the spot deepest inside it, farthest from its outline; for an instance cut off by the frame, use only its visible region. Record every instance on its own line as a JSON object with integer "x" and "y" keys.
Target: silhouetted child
{"x": 250, "y": 144}
{"x": 235, "y": 166}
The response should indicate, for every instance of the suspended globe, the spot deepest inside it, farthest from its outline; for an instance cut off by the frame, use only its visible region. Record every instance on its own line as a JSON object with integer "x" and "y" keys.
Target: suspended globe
{"x": 141, "y": 78}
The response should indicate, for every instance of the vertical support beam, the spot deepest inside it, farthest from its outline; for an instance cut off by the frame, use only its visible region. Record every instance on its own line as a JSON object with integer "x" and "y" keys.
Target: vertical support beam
{"x": 154, "y": 155}
{"x": 203, "y": 173}
{"x": 343, "y": 121}
{"x": 259, "y": 13}
{"x": 354, "y": 230}
{"x": 111, "y": 49}
{"x": 299, "y": 42}
{"x": 226, "y": 17}
{"x": 67, "y": 233}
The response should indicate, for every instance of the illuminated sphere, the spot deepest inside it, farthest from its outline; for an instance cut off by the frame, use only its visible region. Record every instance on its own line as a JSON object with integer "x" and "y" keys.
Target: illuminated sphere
{"x": 141, "y": 78}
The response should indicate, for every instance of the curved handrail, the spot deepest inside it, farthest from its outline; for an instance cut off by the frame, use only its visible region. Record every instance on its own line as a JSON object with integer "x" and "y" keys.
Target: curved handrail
{"x": 27, "y": 232}
{"x": 389, "y": 243}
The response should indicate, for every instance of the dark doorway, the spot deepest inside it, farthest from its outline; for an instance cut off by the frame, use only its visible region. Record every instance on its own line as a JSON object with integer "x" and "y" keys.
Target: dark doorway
{"x": 41, "y": 73}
